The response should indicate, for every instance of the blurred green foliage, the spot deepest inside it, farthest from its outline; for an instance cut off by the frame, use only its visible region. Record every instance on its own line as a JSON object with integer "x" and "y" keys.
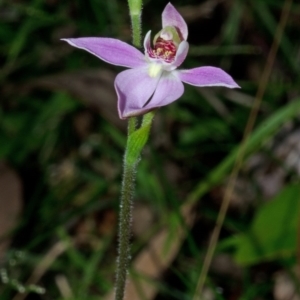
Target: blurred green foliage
{"x": 59, "y": 131}
{"x": 273, "y": 229}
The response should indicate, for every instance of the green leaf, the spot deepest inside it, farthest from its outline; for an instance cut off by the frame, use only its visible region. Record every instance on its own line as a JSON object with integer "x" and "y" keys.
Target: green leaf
{"x": 273, "y": 232}
{"x": 137, "y": 140}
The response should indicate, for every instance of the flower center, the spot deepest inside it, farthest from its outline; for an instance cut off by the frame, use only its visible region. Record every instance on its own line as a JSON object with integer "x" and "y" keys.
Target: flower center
{"x": 154, "y": 70}
{"x": 163, "y": 49}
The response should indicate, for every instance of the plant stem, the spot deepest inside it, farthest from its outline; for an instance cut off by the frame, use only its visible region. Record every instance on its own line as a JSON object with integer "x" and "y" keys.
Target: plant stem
{"x": 125, "y": 218}
{"x": 125, "y": 229}
{"x": 135, "y": 11}
{"x": 136, "y": 141}
{"x": 136, "y": 29}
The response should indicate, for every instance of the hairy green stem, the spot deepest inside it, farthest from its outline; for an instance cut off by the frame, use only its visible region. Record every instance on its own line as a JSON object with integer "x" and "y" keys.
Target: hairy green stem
{"x": 135, "y": 10}
{"x": 136, "y": 141}
{"x": 136, "y": 29}
{"x": 125, "y": 218}
{"x": 125, "y": 229}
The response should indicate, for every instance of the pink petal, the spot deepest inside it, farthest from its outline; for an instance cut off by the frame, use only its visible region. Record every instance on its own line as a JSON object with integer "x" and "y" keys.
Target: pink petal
{"x": 181, "y": 54}
{"x": 169, "y": 89}
{"x": 147, "y": 46}
{"x": 110, "y": 50}
{"x": 207, "y": 76}
{"x": 134, "y": 88}
{"x": 147, "y": 43}
{"x": 171, "y": 17}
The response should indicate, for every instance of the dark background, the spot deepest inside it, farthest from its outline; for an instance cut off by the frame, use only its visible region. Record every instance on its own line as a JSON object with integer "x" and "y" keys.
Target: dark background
{"x": 62, "y": 143}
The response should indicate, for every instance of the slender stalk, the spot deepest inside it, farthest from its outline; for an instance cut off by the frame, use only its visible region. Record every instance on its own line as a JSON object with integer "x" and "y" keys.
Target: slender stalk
{"x": 127, "y": 192}
{"x": 125, "y": 228}
{"x": 131, "y": 125}
{"x": 135, "y": 11}
{"x": 136, "y": 29}
{"x": 136, "y": 140}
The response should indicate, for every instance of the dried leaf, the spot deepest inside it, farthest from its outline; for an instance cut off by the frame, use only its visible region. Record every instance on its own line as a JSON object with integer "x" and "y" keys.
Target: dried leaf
{"x": 10, "y": 204}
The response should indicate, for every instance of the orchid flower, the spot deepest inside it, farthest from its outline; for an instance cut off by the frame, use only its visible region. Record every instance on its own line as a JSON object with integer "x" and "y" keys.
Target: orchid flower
{"x": 153, "y": 79}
